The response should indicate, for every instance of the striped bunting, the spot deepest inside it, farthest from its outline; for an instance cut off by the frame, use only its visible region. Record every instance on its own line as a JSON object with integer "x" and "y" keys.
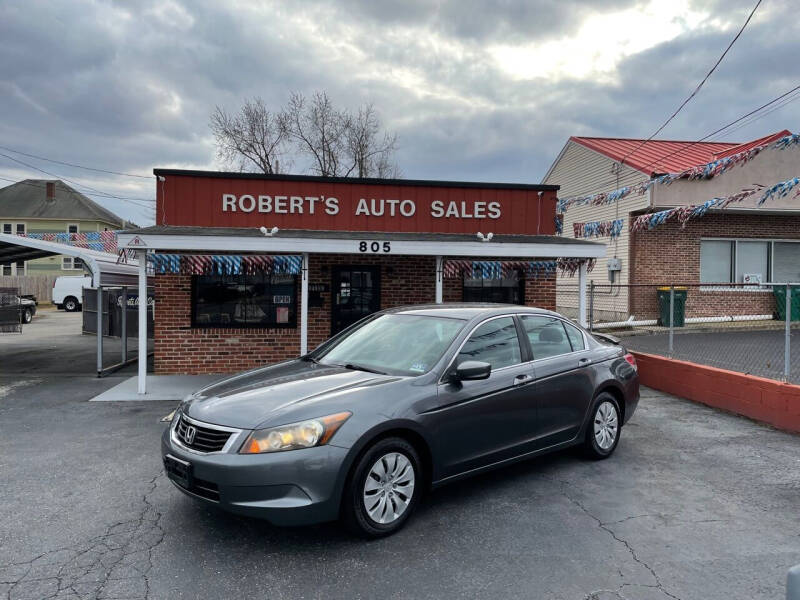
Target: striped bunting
{"x": 224, "y": 264}
{"x": 496, "y": 269}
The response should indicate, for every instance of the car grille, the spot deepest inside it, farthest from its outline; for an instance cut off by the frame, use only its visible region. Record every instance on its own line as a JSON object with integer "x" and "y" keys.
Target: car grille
{"x": 205, "y": 439}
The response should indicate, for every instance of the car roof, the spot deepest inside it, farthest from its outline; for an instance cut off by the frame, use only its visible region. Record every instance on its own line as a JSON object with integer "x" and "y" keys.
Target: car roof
{"x": 465, "y": 310}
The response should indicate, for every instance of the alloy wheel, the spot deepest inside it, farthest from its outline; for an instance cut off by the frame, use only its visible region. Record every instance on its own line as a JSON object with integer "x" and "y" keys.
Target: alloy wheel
{"x": 389, "y": 488}
{"x": 606, "y": 425}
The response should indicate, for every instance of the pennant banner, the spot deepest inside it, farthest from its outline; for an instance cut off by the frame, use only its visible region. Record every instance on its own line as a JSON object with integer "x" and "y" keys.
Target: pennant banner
{"x": 611, "y": 229}
{"x": 102, "y": 241}
{"x": 496, "y": 269}
{"x": 224, "y": 264}
{"x": 570, "y": 266}
{"x": 686, "y": 213}
{"x": 706, "y": 171}
{"x": 504, "y": 269}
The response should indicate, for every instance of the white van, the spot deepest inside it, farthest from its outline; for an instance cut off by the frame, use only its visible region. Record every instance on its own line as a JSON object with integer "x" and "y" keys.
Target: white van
{"x": 68, "y": 291}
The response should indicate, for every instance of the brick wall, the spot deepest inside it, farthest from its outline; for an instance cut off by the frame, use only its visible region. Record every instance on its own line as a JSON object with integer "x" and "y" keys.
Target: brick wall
{"x": 182, "y": 349}
{"x": 179, "y": 348}
{"x": 404, "y": 280}
{"x": 669, "y": 254}
{"x": 758, "y": 398}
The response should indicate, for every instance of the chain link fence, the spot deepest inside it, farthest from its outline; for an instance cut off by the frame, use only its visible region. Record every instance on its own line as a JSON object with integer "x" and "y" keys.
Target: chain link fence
{"x": 740, "y": 327}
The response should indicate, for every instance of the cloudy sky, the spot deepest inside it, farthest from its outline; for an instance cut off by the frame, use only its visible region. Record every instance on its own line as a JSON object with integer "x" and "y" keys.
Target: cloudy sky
{"x": 476, "y": 90}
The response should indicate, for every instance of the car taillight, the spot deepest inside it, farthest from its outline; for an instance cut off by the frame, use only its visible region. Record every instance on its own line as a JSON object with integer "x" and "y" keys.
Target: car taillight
{"x": 631, "y": 360}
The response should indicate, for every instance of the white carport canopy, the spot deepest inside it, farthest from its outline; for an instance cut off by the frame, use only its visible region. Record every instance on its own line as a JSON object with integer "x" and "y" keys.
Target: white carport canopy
{"x": 103, "y": 266}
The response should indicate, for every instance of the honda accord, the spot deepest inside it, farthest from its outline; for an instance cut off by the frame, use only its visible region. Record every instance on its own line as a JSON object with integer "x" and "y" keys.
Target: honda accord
{"x": 404, "y": 401}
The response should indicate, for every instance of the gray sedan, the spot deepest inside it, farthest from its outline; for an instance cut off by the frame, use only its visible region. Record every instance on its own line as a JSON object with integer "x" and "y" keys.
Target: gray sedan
{"x": 404, "y": 401}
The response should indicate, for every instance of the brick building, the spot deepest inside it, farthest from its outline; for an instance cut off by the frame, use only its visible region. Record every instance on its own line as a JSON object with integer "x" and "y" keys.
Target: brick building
{"x": 250, "y": 269}
{"x": 726, "y": 246}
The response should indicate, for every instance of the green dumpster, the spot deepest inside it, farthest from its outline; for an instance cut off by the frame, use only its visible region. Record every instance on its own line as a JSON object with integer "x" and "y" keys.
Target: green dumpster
{"x": 679, "y": 307}
{"x": 780, "y": 302}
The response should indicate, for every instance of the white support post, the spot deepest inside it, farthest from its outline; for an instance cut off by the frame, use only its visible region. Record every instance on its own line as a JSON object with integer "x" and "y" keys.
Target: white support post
{"x": 439, "y": 266}
{"x": 142, "y": 333}
{"x": 582, "y": 295}
{"x": 99, "y": 329}
{"x": 304, "y": 306}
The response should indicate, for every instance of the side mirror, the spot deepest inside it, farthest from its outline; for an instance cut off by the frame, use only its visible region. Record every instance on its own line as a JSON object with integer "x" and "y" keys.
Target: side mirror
{"x": 472, "y": 369}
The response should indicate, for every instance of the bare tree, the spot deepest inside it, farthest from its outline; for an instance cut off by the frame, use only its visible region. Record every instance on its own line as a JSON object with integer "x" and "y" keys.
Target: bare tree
{"x": 253, "y": 137}
{"x": 336, "y": 143}
{"x": 369, "y": 153}
{"x": 319, "y": 131}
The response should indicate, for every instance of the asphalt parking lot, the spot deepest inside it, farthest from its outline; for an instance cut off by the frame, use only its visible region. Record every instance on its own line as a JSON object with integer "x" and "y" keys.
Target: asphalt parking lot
{"x": 52, "y": 344}
{"x": 757, "y": 352}
{"x": 694, "y": 504}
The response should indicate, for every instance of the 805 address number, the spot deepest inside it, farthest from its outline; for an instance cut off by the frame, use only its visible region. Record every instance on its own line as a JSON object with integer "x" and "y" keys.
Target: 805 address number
{"x": 375, "y": 247}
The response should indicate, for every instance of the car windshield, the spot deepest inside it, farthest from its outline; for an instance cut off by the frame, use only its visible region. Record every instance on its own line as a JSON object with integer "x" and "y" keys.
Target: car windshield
{"x": 399, "y": 344}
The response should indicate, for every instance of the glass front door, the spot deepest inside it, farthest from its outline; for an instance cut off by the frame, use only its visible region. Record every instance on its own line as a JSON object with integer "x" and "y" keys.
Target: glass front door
{"x": 355, "y": 293}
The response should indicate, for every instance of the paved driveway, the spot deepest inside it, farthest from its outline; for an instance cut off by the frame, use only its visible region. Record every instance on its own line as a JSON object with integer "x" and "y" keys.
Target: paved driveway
{"x": 695, "y": 504}
{"x": 53, "y": 344}
{"x": 752, "y": 351}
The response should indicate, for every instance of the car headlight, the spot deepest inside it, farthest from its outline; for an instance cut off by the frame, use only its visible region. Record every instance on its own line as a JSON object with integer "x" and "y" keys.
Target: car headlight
{"x": 305, "y": 434}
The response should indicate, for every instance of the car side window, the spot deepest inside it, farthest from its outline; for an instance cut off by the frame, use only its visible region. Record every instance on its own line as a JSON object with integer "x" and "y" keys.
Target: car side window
{"x": 546, "y": 335}
{"x": 494, "y": 342}
{"x": 575, "y": 337}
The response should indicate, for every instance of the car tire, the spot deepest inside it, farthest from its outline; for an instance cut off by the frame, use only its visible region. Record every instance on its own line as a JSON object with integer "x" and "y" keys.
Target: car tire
{"x": 71, "y": 304}
{"x": 27, "y": 316}
{"x": 369, "y": 511}
{"x": 604, "y": 427}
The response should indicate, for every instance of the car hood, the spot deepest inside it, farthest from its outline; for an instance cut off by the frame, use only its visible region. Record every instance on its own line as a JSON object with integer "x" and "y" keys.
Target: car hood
{"x": 248, "y": 399}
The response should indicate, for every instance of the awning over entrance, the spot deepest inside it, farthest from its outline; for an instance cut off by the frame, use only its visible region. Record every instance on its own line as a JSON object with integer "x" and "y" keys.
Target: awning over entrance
{"x": 292, "y": 241}
{"x": 201, "y": 250}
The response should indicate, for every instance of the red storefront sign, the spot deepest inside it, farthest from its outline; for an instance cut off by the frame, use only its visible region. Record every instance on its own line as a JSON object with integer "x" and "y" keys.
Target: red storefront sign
{"x": 207, "y": 199}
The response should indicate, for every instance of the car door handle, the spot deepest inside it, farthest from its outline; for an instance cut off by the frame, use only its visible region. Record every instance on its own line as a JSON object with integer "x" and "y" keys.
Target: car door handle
{"x": 584, "y": 361}
{"x": 522, "y": 379}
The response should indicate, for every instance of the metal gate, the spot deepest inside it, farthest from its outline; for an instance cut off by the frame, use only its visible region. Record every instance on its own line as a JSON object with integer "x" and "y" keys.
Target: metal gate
{"x": 119, "y": 319}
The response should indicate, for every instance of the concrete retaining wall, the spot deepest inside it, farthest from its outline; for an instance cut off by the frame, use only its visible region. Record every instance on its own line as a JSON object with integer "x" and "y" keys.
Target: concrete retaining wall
{"x": 767, "y": 400}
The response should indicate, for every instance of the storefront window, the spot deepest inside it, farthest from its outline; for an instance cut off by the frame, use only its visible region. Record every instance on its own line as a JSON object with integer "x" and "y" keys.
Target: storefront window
{"x": 716, "y": 260}
{"x": 752, "y": 259}
{"x": 733, "y": 261}
{"x": 505, "y": 291}
{"x": 787, "y": 262}
{"x": 258, "y": 300}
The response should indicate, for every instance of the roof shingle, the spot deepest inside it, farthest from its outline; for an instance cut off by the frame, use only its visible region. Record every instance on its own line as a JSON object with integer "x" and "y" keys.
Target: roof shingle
{"x": 28, "y": 200}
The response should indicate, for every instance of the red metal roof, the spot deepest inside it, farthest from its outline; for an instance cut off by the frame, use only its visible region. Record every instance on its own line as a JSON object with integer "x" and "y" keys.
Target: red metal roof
{"x": 657, "y": 156}
{"x": 767, "y": 139}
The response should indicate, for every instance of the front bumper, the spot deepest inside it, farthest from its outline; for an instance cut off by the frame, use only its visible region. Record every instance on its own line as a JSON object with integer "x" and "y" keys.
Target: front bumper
{"x": 297, "y": 487}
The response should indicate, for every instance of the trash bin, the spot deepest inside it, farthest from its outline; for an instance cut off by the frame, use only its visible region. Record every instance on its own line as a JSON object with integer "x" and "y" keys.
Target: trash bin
{"x": 679, "y": 307}
{"x": 780, "y": 302}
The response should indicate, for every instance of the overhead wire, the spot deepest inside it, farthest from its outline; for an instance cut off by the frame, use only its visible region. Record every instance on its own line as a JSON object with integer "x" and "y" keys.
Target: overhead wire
{"x": 68, "y": 164}
{"x": 781, "y": 99}
{"x": 76, "y": 183}
{"x": 699, "y": 86}
{"x": 760, "y": 116}
{"x": 148, "y": 206}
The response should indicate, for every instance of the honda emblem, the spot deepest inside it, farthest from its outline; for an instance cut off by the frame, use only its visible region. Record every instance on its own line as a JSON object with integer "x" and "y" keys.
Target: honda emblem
{"x": 188, "y": 435}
